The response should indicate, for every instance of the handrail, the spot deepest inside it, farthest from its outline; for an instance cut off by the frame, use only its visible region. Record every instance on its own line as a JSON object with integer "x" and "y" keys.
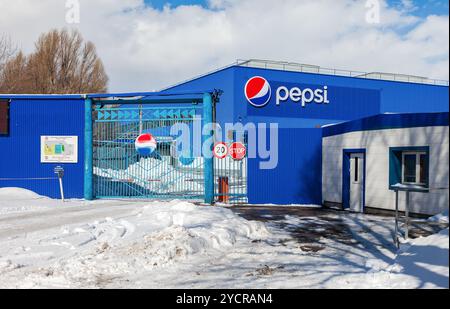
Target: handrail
{"x": 307, "y": 68}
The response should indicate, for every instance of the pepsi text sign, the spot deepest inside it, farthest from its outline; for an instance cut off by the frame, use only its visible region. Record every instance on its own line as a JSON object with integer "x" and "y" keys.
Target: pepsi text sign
{"x": 258, "y": 93}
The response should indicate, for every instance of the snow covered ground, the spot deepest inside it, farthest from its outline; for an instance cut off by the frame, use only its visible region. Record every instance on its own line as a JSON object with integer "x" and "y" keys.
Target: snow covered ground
{"x": 136, "y": 244}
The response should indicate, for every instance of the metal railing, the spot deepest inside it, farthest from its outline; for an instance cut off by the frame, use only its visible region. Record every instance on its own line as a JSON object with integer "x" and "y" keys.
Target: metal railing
{"x": 314, "y": 69}
{"x": 307, "y": 68}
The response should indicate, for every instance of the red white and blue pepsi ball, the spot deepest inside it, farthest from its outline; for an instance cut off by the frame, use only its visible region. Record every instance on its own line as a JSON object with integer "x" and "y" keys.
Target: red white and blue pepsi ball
{"x": 258, "y": 91}
{"x": 145, "y": 145}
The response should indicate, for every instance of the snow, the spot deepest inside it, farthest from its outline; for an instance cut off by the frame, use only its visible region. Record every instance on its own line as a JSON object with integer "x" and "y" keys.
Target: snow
{"x": 18, "y": 200}
{"x": 45, "y": 243}
{"x": 440, "y": 218}
{"x": 156, "y": 175}
{"x": 18, "y": 194}
{"x": 275, "y": 205}
{"x": 426, "y": 260}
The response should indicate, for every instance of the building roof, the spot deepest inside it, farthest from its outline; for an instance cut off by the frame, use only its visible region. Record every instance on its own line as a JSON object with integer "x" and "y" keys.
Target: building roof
{"x": 252, "y": 63}
{"x": 315, "y": 69}
{"x": 388, "y": 121}
{"x": 123, "y": 97}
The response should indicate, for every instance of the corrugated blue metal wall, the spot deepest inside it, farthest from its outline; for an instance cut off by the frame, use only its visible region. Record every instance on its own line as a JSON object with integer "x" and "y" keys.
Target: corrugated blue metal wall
{"x": 223, "y": 80}
{"x": 298, "y": 177}
{"x": 20, "y": 151}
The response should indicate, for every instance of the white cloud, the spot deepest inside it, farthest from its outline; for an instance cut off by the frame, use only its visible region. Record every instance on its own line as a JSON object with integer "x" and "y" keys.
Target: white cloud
{"x": 409, "y": 5}
{"x": 145, "y": 49}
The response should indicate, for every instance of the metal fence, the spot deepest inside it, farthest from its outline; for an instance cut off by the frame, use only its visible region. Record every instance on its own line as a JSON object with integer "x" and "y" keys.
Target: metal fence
{"x": 120, "y": 172}
{"x": 231, "y": 180}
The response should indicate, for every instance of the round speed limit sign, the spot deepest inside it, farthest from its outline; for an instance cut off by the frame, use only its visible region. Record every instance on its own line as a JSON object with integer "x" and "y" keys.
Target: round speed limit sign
{"x": 220, "y": 150}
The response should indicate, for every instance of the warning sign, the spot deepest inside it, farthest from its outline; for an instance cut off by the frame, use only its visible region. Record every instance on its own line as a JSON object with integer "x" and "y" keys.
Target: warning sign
{"x": 59, "y": 149}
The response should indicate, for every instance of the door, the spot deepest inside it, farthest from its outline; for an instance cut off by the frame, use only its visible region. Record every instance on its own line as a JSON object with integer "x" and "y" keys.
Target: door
{"x": 357, "y": 182}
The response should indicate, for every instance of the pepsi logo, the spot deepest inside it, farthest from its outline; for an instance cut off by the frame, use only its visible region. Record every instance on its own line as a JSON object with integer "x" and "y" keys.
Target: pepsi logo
{"x": 145, "y": 144}
{"x": 258, "y": 91}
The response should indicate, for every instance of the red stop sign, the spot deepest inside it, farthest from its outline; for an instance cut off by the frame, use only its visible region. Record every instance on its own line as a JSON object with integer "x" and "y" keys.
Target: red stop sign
{"x": 238, "y": 151}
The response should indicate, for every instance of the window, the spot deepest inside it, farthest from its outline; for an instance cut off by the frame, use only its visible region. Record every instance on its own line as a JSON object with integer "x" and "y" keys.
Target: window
{"x": 4, "y": 118}
{"x": 409, "y": 165}
{"x": 356, "y": 170}
{"x": 414, "y": 168}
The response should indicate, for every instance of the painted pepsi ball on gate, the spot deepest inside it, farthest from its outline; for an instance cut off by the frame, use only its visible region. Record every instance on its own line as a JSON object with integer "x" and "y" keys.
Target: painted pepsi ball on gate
{"x": 145, "y": 145}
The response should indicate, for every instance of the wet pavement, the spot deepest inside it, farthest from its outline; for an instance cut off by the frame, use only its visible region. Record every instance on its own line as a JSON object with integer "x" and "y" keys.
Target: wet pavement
{"x": 316, "y": 224}
{"x": 310, "y": 227}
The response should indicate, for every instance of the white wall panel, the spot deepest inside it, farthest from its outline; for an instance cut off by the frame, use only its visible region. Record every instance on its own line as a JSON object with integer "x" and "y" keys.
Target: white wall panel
{"x": 377, "y": 144}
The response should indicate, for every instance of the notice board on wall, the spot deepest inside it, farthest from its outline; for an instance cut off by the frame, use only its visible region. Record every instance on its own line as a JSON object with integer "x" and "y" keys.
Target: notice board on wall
{"x": 59, "y": 149}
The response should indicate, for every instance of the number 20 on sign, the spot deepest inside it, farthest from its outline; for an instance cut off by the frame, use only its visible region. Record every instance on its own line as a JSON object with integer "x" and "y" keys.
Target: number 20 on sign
{"x": 220, "y": 150}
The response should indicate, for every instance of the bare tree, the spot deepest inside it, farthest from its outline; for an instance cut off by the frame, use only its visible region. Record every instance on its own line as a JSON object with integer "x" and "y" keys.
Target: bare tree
{"x": 13, "y": 75}
{"x": 61, "y": 63}
{"x": 7, "y": 50}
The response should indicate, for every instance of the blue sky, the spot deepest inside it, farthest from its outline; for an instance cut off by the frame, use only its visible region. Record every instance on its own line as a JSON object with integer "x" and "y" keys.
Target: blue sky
{"x": 423, "y": 7}
{"x": 160, "y": 3}
{"x": 147, "y": 49}
{"x": 427, "y": 7}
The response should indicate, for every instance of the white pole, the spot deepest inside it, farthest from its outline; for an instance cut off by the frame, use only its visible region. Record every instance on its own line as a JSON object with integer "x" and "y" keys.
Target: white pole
{"x": 61, "y": 188}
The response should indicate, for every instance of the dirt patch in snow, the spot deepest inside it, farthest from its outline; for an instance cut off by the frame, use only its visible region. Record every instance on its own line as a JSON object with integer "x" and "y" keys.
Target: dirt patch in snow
{"x": 306, "y": 225}
{"x": 265, "y": 270}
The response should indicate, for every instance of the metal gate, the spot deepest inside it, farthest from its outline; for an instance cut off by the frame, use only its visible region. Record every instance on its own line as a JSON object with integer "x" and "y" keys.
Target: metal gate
{"x": 231, "y": 180}
{"x": 120, "y": 172}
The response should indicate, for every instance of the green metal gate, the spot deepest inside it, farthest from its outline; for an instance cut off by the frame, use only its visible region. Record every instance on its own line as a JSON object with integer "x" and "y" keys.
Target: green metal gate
{"x": 114, "y": 169}
{"x": 120, "y": 172}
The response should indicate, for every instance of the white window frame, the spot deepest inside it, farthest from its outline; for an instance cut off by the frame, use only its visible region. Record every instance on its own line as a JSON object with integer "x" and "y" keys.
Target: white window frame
{"x": 418, "y": 170}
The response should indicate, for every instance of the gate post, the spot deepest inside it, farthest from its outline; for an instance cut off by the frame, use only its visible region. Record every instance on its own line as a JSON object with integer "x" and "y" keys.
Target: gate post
{"x": 208, "y": 157}
{"x": 88, "y": 151}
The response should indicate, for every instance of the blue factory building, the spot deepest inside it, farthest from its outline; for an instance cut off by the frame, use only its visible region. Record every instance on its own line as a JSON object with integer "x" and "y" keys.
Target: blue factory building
{"x": 304, "y": 102}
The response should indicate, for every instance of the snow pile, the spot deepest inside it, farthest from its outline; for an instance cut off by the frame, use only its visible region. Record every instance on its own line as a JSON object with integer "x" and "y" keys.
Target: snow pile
{"x": 425, "y": 261}
{"x": 19, "y": 200}
{"x": 137, "y": 244}
{"x": 161, "y": 234}
{"x": 18, "y": 194}
{"x": 440, "y": 218}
